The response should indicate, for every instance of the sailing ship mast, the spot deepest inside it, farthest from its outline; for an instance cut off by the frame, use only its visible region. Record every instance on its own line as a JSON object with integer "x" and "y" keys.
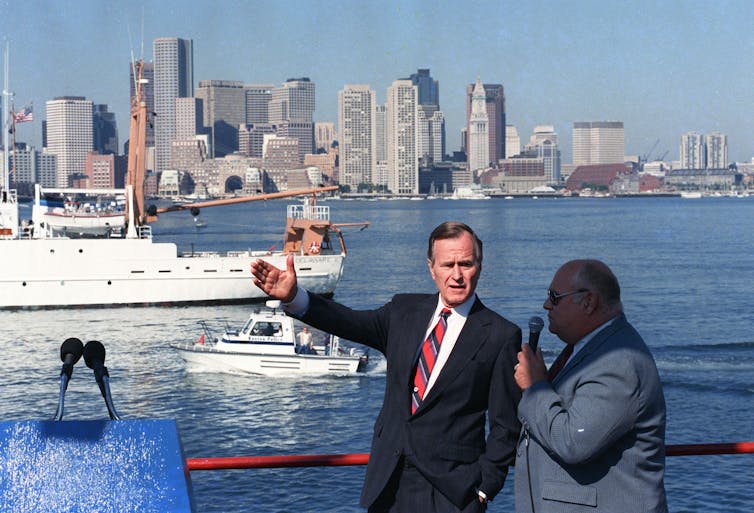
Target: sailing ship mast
{"x": 136, "y": 215}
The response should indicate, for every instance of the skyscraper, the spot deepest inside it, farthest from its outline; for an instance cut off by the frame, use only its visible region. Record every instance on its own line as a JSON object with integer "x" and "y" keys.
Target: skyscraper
{"x": 544, "y": 144}
{"x": 258, "y": 97}
{"x": 189, "y": 117}
{"x": 292, "y": 110}
{"x": 692, "y": 151}
{"x": 598, "y": 142}
{"x": 356, "y": 125}
{"x": 105, "y": 130}
{"x": 495, "y": 103}
{"x": 224, "y": 111}
{"x": 479, "y": 135}
{"x": 716, "y": 148}
{"x": 401, "y": 115}
{"x": 69, "y": 134}
{"x": 431, "y": 130}
{"x": 431, "y": 121}
{"x": 512, "y": 141}
{"x": 173, "y": 78}
{"x": 429, "y": 89}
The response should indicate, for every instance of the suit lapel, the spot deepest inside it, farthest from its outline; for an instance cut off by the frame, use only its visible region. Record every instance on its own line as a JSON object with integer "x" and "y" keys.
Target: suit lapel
{"x": 472, "y": 337}
{"x": 413, "y": 337}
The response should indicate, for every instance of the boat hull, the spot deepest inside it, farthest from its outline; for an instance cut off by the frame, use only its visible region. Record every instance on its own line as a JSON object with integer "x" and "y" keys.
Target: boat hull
{"x": 208, "y": 359}
{"x": 66, "y": 273}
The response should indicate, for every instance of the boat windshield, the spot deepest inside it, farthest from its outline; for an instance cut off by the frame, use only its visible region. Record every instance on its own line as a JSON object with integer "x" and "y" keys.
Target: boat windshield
{"x": 267, "y": 329}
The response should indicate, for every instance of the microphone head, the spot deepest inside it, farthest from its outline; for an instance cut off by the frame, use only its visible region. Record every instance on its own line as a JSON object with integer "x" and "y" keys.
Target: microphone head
{"x": 94, "y": 352}
{"x": 536, "y": 324}
{"x": 71, "y": 346}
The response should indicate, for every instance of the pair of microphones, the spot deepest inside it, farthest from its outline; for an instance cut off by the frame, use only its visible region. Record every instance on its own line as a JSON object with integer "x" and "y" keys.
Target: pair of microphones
{"x": 93, "y": 352}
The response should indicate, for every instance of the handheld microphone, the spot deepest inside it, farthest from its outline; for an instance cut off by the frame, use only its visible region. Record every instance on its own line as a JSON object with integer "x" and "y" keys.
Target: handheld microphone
{"x": 70, "y": 353}
{"x": 94, "y": 357}
{"x": 535, "y": 328}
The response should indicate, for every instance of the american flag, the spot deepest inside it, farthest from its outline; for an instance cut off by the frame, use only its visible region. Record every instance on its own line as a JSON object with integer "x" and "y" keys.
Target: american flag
{"x": 24, "y": 115}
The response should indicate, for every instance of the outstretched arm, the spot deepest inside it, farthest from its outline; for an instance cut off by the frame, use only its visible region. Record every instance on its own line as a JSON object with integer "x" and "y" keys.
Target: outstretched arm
{"x": 276, "y": 283}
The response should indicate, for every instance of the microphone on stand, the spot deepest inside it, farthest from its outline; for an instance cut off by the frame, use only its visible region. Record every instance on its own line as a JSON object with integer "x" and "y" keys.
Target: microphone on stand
{"x": 94, "y": 357}
{"x": 535, "y": 328}
{"x": 70, "y": 352}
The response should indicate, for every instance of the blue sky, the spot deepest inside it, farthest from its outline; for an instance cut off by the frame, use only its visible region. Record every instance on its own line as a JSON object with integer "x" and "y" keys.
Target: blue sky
{"x": 663, "y": 68}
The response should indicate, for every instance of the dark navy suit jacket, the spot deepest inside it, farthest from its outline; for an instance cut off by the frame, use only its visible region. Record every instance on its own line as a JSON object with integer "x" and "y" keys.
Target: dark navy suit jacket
{"x": 445, "y": 438}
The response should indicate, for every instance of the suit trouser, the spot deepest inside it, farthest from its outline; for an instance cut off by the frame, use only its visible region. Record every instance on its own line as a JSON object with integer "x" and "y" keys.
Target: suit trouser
{"x": 408, "y": 491}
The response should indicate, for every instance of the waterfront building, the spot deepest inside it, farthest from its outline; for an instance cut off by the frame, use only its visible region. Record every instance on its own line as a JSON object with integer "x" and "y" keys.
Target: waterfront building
{"x": 697, "y": 179}
{"x": 479, "y": 136}
{"x": 598, "y": 142}
{"x": 258, "y": 97}
{"x": 324, "y": 136}
{"x": 597, "y": 177}
{"x": 692, "y": 151}
{"x": 189, "y": 153}
{"x": 356, "y": 125}
{"x": 512, "y": 142}
{"x": 716, "y": 149}
{"x": 325, "y": 162}
{"x": 224, "y": 109}
{"x": 147, "y": 92}
{"x": 173, "y": 78}
{"x": 401, "y": 116}
{"x": 69, "y": 134}
{"x": 495, "y": 105}
{"x": 105, "y": 130}
{"x": 170, "y": 181}
{"x": 280, "y": 153}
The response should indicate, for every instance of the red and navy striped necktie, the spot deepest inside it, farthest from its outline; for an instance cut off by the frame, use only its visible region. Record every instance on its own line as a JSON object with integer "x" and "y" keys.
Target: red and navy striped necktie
{"x": 427, "y": 359}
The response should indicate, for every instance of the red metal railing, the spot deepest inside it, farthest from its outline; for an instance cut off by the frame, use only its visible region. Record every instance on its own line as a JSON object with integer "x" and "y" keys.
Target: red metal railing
{"x": 342, "y": 460}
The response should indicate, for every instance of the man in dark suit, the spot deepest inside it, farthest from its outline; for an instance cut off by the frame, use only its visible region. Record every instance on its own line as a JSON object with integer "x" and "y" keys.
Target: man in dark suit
{"x": 593, "y": 426}
{"x": 429, "y": 452}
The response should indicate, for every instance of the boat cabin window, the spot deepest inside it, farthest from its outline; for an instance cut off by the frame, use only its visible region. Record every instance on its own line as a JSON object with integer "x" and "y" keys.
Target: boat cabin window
{"x": 267, "y": 329}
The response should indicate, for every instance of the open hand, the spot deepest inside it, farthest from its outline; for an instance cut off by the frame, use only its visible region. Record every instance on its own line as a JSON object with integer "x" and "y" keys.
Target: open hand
{"x": 276, "y": 283}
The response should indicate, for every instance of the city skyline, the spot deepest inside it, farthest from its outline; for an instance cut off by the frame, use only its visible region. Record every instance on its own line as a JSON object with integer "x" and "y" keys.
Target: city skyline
{"x": 664, "y": 70}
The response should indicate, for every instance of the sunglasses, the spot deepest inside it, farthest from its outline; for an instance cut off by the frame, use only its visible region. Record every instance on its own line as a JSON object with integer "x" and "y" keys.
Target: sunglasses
{"x": 556, "y": 297}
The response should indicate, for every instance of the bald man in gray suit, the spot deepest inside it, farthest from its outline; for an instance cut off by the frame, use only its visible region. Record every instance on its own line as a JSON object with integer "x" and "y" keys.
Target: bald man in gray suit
{"x": 593, "y": 436}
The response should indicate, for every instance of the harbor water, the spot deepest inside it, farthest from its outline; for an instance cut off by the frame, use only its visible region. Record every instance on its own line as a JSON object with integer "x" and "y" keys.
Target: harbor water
{"x": 686, "y": 269}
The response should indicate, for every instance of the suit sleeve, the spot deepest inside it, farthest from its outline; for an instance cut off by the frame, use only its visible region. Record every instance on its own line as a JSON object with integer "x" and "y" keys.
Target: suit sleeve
{"x": 604, "y": 407}
{"x": 367, "y": 327}
{"x": 504, "y": 427}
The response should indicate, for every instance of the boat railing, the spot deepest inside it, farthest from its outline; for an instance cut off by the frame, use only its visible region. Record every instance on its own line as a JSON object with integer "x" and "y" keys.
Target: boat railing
{"x": 310, "y": 212}
{"x": 341, "y": 460}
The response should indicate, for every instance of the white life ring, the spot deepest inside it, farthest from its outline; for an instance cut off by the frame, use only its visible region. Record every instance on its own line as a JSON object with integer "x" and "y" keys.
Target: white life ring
{"x": 313, "y": 248}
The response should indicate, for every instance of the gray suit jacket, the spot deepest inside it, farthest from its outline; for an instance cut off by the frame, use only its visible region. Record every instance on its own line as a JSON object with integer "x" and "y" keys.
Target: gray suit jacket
{"x": 594, "y": 439}
{"x": 446, "y": 437}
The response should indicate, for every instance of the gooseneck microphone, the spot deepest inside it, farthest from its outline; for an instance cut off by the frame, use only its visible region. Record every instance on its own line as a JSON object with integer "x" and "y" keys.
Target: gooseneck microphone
{"x": 70, "y": 352}
{"x": 94, "y": 357}
{"x": 535, "y": 328}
